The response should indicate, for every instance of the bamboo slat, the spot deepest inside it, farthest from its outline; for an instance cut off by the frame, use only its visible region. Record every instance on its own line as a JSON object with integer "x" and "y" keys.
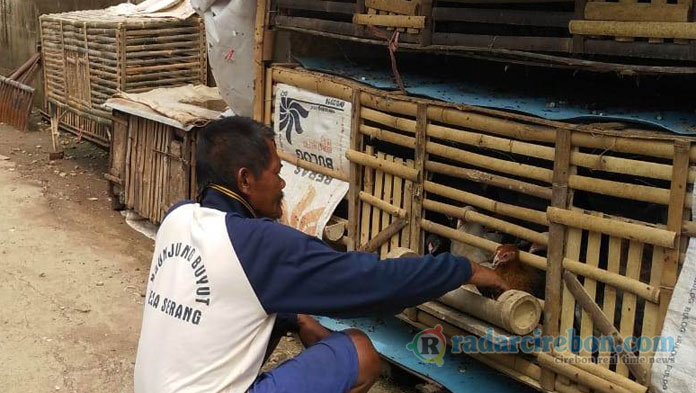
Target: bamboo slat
{"x": 491, "y": 179}
{"x": 415, "y": 22}
{"x": 396, "y": 122}
{"x": 609, "y": 307}
{"x": 387, "y": 197}
{"x": 376, "y": 225}
{"x": 397, "y": 201}
{"x": 383, "y": 205}
{"x": 382, "y": 165}
{"x": 594, "y": 240}
{"x": 368, "y": 186}
{"x": 625, "y": 230}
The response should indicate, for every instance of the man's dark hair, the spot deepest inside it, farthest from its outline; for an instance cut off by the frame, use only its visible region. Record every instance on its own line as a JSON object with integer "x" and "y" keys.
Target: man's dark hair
{"x": 228, "y": 144}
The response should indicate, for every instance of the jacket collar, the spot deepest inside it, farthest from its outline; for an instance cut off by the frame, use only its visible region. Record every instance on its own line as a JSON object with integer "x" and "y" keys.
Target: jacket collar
{"x": 223, "y": 199}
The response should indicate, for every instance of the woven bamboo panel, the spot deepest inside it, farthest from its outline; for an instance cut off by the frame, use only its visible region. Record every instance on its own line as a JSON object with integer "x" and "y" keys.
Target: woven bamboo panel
{"x": 90, "y": 55}
{"x": 151, "y": 165}
{"x": 611, "y": 206}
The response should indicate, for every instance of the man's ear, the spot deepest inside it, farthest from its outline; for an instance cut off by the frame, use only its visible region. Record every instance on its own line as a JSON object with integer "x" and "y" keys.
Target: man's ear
{"x": 244, "y": 180}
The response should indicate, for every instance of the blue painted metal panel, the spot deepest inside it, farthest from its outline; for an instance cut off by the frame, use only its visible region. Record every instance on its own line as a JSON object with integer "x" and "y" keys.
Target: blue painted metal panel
{"x": 590, "y": 103}
{"x": 459, "y": 373}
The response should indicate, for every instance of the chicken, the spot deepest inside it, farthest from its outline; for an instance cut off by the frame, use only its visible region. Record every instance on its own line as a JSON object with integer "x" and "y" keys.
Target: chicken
{"x": 474, "y": 254}
{"x": 506, "y": 262}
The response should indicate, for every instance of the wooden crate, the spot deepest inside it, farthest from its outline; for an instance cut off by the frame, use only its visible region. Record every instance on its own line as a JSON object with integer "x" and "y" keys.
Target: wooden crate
{"x": 534, "y": 32}
{"x": 90, "y": 55}
{"x": 151, "y": 165}
{"x": 611, "y": 205}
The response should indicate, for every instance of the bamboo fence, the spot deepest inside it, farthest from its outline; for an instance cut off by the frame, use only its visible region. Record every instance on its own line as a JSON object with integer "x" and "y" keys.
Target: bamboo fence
{"x": 612, "y": 207}
{"x": 90, "y": 55}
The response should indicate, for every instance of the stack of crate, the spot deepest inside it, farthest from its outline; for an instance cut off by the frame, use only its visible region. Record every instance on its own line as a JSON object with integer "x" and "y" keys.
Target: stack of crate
{"x": 90, "y": 55}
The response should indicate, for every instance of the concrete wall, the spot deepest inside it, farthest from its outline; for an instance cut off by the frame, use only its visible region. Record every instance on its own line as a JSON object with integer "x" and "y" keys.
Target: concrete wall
{"x": 19, "y": 30}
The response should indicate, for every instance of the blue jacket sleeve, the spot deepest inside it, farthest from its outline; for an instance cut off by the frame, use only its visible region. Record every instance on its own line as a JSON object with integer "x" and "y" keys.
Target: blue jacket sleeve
{"x": 292, "y": 272}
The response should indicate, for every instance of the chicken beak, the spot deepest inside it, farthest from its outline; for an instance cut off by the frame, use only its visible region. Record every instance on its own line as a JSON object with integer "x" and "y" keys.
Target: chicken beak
{"x": 496, "y": 261}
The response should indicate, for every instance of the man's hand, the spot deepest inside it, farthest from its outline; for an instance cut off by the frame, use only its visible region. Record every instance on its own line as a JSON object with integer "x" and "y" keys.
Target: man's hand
{"x": 483, "y": 277}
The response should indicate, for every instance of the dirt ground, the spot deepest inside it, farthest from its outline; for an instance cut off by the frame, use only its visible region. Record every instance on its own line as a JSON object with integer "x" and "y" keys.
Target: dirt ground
{"x": 72, "y": 273}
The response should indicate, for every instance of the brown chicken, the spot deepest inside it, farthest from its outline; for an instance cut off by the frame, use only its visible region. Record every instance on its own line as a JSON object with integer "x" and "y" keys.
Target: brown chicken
{"x": 506, "y": 262}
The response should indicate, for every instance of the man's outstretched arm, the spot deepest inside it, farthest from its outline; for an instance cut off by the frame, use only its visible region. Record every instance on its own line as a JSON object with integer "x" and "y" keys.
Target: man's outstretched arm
{"x": 293, "y": 272}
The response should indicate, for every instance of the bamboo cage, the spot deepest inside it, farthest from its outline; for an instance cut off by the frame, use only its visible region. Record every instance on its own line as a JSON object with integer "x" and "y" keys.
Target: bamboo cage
{"x": 90, "y": 55}
{"x": 611, "y": 206}
{"x": 151, "y": 165}
{"x": 537, "y": 31}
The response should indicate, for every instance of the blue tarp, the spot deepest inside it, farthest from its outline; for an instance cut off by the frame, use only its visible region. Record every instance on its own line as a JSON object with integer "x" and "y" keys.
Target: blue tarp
{"x": 458, "y": 373}
{"x": 568, "y": 99}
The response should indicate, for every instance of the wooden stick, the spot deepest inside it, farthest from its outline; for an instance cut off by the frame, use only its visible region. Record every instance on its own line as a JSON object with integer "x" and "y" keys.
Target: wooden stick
{"x": 491, "y": 179}
{"x": 604, "y": 325}
{"x": 382, "y": 205}
{"x": 384, "y": 235}
{"x": 471, "y": 215}
{"x": 310, "y": 166}
{"x": 382, "y": 165}
{"x": 415, "y": 22}
{"x": 625, "y": 230}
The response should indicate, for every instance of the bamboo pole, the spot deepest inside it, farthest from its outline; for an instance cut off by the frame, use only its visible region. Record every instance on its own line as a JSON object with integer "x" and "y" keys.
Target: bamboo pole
{"x": 382, "y": 205}
{"x": 310, "y": 166}
{"x": 308, "y": 82}
{"x": 490, "y": 179}
{"x": 471, "y": 323}
{"x": 470, "y": 215}
{"x": 529, "y": 215}
{"x": 415, "y": 22}
{"x": 399, "y": 123}
{"x": 388, "y": 104}
{"x": 515, "y": 311}
{"x": 492, "y": 124}
{"x": 384, "y": 235}
{"x": 495, "y": 164}
{"x": 621, "y": 190}
{"x": 680, "y": 30}
{"x": 382, "y": 165}
{"x": 491, "y": 142}
{"x": 641, "y": 233}
{"x": 388, "y": 136}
